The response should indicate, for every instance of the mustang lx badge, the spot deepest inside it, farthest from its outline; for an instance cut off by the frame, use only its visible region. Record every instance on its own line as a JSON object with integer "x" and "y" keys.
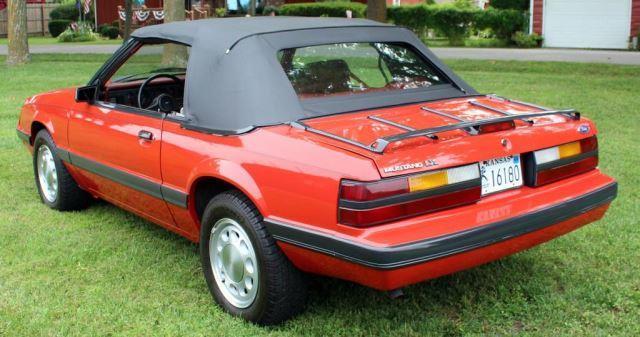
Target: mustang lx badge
{"x": 404, "y": 167}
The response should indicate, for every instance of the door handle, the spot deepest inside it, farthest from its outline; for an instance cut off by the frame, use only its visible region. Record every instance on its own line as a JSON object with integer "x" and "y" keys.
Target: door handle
{"x": 146, "y": 135}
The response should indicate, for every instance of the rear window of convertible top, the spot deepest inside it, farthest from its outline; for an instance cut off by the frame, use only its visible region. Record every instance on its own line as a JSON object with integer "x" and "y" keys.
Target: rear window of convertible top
{"x": 356, "y": 68}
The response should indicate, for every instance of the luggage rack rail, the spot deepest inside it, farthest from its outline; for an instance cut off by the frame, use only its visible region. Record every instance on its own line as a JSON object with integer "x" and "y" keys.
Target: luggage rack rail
{"x": 381, "y": 143}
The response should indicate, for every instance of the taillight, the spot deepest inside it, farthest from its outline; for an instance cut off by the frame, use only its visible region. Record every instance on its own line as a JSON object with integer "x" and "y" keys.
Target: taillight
{"x": 495, "y": 127}
{"x": 559, "y": 162}
{"x": 364, "y": 204}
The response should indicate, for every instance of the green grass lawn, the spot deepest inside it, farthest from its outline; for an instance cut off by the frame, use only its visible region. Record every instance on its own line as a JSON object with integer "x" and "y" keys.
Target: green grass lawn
{"x": 104, "y": 272}
{"x": 44, "y": 40}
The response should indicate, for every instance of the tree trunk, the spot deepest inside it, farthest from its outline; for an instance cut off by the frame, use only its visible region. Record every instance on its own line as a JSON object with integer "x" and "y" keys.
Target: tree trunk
{"x": 128, "y": 12}
{"x": 252, "y": 7}
{"x": 18, "y": 52}
{"x": 377, "y": 10}
{"x": 174, "y": 55}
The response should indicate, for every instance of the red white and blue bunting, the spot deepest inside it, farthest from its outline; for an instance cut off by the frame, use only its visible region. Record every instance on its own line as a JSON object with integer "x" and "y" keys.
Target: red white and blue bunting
{"x": 142, "y": 15}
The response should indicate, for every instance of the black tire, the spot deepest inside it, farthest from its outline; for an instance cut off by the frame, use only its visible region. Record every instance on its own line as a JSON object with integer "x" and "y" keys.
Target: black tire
{"x": 282, "y": 290}
{"x": 69, "y": 196}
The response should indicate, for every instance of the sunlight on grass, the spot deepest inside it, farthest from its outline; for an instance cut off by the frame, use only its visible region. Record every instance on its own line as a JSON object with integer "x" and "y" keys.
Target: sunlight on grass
{"x": 106, "y": 272}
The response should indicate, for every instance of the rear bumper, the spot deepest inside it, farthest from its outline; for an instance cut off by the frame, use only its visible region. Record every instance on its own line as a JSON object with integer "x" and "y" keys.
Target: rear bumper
{"x": 395, "y": 266}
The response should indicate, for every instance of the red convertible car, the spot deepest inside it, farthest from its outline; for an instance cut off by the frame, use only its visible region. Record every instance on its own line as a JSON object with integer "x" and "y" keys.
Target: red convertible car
{"x": 337, "y": 147}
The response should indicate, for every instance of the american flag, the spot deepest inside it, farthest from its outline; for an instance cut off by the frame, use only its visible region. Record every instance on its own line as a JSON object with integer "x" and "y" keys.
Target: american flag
{"x": 87, "y": 6}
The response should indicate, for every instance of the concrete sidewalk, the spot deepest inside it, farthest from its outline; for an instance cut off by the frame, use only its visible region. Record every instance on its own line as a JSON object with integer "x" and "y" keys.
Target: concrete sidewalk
{"x": 559, "y": 55}
{"x": 543, "y": 54}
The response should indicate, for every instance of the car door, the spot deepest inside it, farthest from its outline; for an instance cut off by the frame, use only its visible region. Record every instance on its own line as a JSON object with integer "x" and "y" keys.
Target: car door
{"x": 117, "y": 144}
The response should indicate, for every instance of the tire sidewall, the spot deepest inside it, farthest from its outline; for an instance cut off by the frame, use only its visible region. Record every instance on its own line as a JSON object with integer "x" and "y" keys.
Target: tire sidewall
{"x": 44, "y": 138}
{"x": 216, "y": 210}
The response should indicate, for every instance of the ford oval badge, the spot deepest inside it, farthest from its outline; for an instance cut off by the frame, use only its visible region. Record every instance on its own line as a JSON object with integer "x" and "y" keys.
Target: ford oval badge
{"x": 584, "y": 128}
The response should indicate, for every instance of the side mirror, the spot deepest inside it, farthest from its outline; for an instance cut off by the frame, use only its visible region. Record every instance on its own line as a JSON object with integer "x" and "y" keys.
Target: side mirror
{"x": 86, "y": 94}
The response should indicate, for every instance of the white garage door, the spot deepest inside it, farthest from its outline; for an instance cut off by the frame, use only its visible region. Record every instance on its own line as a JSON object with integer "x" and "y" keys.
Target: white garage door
{"x": 587, "y": 23}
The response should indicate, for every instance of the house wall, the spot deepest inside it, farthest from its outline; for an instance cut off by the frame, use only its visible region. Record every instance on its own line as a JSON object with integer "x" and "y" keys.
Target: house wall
{"x": 635, "y": 18}
{"x": 107, "y": 10}
{"x": 537, "y": 15}
{"x": 538, "y": 10}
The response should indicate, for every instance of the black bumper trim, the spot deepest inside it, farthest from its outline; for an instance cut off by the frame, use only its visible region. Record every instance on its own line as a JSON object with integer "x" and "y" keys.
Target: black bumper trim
{"x": 25, "y": 137}
{"x": 431, "y": 249}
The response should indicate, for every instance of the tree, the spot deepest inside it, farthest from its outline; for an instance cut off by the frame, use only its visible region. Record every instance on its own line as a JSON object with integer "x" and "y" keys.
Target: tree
{"x": 128, "y": 12}
{"x": 18, "y": 52}
{"x": 377, "y": 10}
{"x": 174, "y": 55}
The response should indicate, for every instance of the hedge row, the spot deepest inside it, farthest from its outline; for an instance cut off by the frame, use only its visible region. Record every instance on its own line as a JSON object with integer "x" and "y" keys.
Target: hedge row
{"x": 68, "y": 12}
{"x": 456, "y": 22}
{"x": 56, "y": 27}
{"x": 330, "y": 8}
{"x": 522, "y": 5}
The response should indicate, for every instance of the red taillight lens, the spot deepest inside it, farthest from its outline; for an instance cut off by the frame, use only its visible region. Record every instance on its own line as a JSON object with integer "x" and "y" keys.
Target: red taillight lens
{"x": 495, "y": 127}
{"x": 358, "y": 191}
{"x": 370, "y": 217}
{"x": 364, "y": 204}
{"x": 560, "y": 172}
{"x": 563, "y": 161}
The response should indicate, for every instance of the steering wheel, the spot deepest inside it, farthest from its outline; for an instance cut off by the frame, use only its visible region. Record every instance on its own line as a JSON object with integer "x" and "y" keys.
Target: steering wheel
{"x": 163, "y": 102}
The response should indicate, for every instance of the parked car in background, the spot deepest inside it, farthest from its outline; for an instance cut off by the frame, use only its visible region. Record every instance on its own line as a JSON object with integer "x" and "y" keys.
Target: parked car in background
{"x": 336, "y": 147}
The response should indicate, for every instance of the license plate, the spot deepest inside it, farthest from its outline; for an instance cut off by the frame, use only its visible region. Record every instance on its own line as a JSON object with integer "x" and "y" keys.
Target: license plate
{"x": 501, "y": 174}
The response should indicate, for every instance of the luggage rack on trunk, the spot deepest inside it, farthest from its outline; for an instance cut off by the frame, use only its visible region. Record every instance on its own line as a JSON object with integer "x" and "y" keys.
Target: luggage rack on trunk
{"x": 470, "y": 126}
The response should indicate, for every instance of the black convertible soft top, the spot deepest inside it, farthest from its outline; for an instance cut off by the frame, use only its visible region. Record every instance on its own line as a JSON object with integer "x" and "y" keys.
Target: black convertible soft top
{"x": 235, "y": 82}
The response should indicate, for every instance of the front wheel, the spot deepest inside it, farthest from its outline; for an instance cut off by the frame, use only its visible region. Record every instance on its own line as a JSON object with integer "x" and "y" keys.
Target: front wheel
{"x": 56, "y": 186}
{"x": 245, "y": 270}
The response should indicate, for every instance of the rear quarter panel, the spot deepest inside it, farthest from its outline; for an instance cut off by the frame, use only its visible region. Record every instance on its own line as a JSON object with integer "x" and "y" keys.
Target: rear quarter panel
{"x": 286, "y": 177}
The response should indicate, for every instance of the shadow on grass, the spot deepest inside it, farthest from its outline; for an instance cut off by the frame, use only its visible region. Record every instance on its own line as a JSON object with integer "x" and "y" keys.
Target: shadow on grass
{"x": 436, "y": 304}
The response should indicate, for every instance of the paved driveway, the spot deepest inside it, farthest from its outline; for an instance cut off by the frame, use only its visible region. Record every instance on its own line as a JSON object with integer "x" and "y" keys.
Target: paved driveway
{"x": 561, "y": 55}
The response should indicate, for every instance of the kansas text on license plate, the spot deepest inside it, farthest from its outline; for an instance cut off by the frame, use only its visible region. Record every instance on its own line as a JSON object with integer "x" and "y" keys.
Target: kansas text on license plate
{"x": 501, "y": 174}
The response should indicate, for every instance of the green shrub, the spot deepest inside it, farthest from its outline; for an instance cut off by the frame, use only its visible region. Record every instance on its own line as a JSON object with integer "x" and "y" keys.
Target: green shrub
{"x": 81, "y": 33}
{"x": 521, "y": 5}
{"x": 220, "y": 12}
{"x": 56, "y": 27}
{"x": 110, "y": 32}
{"x": 271, "y": 9}
{"x": 453, "y": 22}
{"x": 101, "y": 29}
{"x": 68, "y": 12}
{"x": 329, "y": 8}
{"x": 502, "y": 22}
{"x": 450, "y": 20}
{"x": 524, "y": 40}
{"x": 415, "y": 17}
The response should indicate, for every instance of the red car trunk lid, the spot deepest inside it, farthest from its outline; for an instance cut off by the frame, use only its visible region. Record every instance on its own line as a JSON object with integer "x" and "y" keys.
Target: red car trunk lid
{"x": 450, "y": 148}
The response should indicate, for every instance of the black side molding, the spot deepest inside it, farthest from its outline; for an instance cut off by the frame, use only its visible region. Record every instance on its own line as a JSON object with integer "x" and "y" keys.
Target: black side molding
{"x": 434, "y": 248}
{"x": 146, "y": 186}
{"x": 25, "y": 137}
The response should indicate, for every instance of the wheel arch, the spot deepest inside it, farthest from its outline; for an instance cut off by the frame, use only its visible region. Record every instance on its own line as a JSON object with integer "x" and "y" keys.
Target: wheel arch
{"x": 36, "y": 126}
{"x": 225, "y": 176}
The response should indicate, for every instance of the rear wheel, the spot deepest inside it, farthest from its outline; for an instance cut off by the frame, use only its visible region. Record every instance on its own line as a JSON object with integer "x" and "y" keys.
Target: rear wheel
{"x": 56, "y": 187}
{"x": 245, "y": 270}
